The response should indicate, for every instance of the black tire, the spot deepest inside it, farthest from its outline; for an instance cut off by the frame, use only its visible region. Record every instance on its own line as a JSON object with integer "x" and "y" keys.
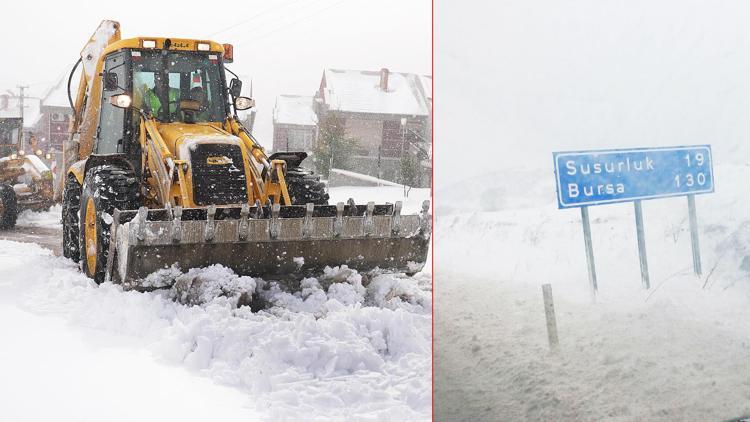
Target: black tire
{"x": 304, "y": 187}
{"x": 8, "y": 207}
{"x": 107, "y": 187}
{"x": 71, "y": 231}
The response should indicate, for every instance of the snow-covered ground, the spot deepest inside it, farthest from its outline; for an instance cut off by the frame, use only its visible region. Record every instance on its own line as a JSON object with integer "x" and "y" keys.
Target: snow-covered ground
{"x": 338, "y": 350}
{"x": 51, "y": 218}
{"x": 680, "y": 351}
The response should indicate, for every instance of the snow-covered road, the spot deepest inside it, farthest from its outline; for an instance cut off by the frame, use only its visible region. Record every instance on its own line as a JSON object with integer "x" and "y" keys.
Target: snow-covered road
{"x": 73, "y": 350}
{"x": 42, "y": 228}
{"x": 618, "y": 362}
{"x": 680, "y": 351}
{"x": 52, "y": 372}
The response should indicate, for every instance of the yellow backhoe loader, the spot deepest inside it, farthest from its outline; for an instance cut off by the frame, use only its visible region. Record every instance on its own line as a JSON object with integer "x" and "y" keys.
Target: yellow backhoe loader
{"x": 25, "y": 181}
{"x": 160, "y": 172}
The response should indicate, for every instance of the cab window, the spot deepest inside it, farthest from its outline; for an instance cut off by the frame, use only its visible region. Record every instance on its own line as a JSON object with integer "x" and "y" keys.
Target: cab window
{"x": 109, "y": 139}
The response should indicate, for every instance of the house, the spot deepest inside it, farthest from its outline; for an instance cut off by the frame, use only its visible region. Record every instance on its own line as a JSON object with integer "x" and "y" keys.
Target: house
{"x": 10, "y": 106}
{"x": 46, "y": 120}
{"x": 294, "y": 123}
{"x": 388, "y": 113}
{"x": 51, "y": 128}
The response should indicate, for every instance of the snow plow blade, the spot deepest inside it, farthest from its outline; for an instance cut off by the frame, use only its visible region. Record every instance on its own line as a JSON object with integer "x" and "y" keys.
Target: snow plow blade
{"x": 270, "y": 242}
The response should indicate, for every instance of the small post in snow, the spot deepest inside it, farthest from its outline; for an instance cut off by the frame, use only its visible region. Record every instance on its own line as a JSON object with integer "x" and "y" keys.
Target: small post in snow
{"x": 549, "y": 311}
{"x": 641, "y": 244}
{"x": 693, "y": 217}
{"x": 589, "y": 250}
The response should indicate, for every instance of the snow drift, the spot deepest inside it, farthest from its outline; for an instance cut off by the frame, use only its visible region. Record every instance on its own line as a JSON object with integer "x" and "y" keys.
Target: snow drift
{"x": 337, "y": 350}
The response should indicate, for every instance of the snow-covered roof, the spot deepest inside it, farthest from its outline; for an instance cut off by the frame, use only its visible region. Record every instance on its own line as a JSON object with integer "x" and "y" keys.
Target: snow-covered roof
{"x": 359, "y": 91}
{"x": 426, "y": 82}
{"x": 294, "y": 110}
{"x": 57, "y": 94}
{"x": 31, "y": 109}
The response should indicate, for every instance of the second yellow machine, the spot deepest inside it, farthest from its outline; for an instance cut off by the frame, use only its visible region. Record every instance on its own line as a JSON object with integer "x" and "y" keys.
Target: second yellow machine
{"x": 160, "y": 172}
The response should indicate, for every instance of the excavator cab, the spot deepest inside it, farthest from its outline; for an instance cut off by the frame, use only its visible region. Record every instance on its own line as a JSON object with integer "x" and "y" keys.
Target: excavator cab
{"x": 178, "y": 86}
{"x": 168, "y": 86}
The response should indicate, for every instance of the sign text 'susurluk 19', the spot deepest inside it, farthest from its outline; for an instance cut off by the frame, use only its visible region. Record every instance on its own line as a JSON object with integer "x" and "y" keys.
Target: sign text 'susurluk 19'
{"x": 608, "y": 176}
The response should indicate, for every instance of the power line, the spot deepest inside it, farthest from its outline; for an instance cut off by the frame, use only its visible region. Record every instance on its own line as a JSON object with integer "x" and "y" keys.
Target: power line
{"x": 303, "y": 18}
{"x": 47, "y": 83}
{"x": 251, "y": 18}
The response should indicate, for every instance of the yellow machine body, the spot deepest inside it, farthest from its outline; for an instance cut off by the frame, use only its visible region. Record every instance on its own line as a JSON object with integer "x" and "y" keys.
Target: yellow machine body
{"x": 196, "y": 193}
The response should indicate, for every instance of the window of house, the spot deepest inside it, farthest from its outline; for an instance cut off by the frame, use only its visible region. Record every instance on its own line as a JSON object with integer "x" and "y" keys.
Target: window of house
{"x": 298, "y": 140}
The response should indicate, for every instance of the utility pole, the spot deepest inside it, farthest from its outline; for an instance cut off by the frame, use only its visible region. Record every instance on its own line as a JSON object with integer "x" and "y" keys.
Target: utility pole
{"x": 21, "y": 88}
{"x": 380, "y": 152}
{"x": 403, "y": 157}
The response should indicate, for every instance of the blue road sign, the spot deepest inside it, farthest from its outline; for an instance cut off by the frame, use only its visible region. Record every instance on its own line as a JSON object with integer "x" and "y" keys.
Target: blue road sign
{"x": 619, "y": 175}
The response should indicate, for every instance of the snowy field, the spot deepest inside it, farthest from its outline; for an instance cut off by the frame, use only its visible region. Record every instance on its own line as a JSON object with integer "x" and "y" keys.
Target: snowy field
{"x": 680, "y": 351}
{"x": 338, "y": 350}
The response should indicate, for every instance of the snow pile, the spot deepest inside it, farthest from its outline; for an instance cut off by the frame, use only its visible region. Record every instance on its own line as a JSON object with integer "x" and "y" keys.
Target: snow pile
{"x": 361, "y": 179}
{"x": 335, "y": 350}
{"x": 675, "y": 352}
{"x": 203, "y": 285}
{"x": 50, "y": 218}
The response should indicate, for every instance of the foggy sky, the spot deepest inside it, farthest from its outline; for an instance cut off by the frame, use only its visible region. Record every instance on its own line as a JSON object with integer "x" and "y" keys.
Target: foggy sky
{"x": 516, "y": 80}
{"x": 282, "y": 45}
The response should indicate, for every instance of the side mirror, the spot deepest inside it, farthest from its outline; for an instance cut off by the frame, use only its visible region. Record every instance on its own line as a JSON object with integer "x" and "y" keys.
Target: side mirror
{"x": 121, "y": 100}
{"x": 243, "y": 103}
{"x": 110, "y": 81}
{"x": 235, "y": 87}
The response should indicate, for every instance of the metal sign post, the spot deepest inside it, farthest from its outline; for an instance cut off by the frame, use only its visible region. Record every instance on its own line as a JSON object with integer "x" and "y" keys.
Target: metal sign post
{"x": 641, "y": 244}
{"x": 694, "y": 235}
{"x": 589, "y": 250}
{"x": 586, "y": 178}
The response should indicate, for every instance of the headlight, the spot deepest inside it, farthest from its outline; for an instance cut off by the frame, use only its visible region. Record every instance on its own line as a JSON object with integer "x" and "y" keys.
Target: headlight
{"x": 243, "y": 103}
{"x": 13, "y": 156}
{"x": 20, "y": 152}
{"x": 39, "y": 152}
{"x": 48, "y": 156}
{"x": 121, "y": 100}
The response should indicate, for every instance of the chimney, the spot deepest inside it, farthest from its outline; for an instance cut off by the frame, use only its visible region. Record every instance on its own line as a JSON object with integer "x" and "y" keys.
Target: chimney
{"x": 384, "y": 79}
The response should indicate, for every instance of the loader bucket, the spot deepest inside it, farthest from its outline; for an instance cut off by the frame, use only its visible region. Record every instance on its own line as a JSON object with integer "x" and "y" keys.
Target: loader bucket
{"x": 272, "y": 242}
